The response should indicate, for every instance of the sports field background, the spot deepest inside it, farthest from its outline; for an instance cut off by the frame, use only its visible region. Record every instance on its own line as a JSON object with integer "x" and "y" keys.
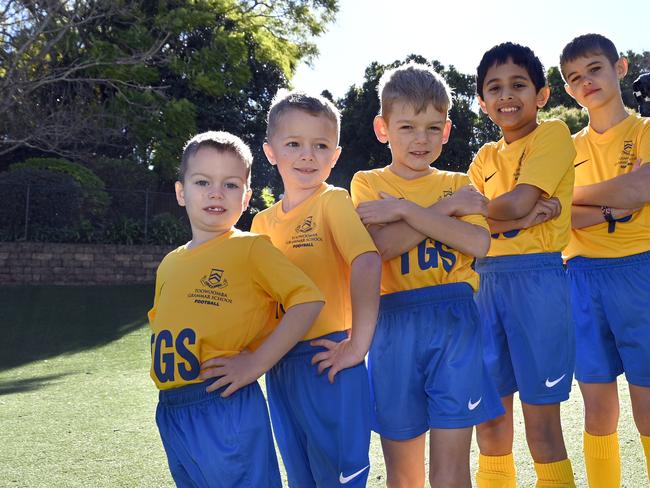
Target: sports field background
{"x": 77, "y": 405}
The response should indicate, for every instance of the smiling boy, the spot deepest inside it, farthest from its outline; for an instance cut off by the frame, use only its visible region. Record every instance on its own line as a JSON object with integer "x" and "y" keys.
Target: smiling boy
{"x": 524, "y": 297}
{"x": 213, "y": 299}
{"x": 321, "y": 421}
{"x": 425, "y": 363}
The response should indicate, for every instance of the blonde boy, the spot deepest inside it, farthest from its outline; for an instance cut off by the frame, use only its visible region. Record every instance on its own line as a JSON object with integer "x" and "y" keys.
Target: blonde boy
{"x": 425, "y": 363}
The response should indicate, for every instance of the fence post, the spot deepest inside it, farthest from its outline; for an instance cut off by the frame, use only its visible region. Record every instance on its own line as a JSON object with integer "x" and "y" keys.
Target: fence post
{"x": 27, "y": 210}
{"x": 146, "y": 214}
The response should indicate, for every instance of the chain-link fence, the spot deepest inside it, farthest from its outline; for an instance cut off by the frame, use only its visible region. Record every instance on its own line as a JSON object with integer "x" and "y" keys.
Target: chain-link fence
{"x": 64, "y": 213}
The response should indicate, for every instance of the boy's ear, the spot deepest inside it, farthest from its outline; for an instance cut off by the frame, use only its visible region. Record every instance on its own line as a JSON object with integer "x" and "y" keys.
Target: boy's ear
{"x": 481, "y": 104}
{"x": 247, "y": 198}
{"x": 621, "y": 67}
{"x": 268, "y": 151}
{"x": 336, "y": 156}
{"x": 446, "y": 131}
{"x": 542, "y": 96}
{"x": 569, "y": 90}
{"x": 381, "y": 129}
{"x": 180, "y": 193}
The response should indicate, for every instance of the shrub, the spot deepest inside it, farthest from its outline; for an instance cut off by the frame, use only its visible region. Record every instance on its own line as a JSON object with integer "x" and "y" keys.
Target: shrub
{"x": 165, "y": 228}
{"x": 55, "y": 203}
{"x": 95, "y": 199}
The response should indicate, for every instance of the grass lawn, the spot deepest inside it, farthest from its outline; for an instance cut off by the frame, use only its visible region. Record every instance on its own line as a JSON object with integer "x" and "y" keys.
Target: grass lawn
{"x": 77, "y": 405}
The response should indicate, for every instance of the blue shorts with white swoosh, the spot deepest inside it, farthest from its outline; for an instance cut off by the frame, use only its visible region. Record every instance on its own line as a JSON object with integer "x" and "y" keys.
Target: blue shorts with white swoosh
{"x": 528, "y": 332}
{"x": 322, "y": 429}
{"x": 425, "y": 363}
{"x": 610, "y": 308}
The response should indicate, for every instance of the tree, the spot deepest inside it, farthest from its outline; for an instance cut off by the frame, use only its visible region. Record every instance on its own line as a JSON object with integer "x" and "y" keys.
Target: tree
{"x": 134, "y": 79}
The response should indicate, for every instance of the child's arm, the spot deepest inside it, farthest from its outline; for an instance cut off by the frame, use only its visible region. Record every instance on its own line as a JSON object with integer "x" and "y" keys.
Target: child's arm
{"x": 514, "y": 204}
{"x": 545, "y": 209}
{"x": 365, "y": 278}
{"x": 246, "y": 367}
{"x": 395, "y": 238}
{"x": 467, "y": 238}
{"x": 630, "y": 190}
{"x": 586, "y": 215}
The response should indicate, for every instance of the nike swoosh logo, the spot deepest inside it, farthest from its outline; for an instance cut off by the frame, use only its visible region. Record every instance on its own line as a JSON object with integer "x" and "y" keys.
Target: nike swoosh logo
{"x": 581, "y": 162}
{"x": 471, "y": 405}
{"x": 551, "y": 384}
{"x": 346, "y": 479}
{"x": 486, "y": 179}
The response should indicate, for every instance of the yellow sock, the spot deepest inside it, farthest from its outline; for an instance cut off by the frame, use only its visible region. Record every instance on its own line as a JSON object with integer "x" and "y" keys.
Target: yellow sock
{"x": 496, "y": 471}
{"x": 602, "y": 460}
{"x": 554, "y": 475}
{"x": 645, "y": 440}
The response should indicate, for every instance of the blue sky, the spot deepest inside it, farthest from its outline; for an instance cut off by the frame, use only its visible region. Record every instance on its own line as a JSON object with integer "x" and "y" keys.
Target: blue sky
{"x": 458, "y": 32}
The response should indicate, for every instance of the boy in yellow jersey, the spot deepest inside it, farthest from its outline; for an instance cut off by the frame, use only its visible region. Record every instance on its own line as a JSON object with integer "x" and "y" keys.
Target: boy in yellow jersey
{"x": 528, "y": 335}
{"x": 609, "y": 253}
{"x": 426, "y": 368}
{"x": 321, "y": 421}
{"x": 213, "y": 298}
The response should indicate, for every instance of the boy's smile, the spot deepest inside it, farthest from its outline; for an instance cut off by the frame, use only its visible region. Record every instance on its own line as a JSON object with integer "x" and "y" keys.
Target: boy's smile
{"x": 214, "y": 192}
{"x": 511, "y": 100}
{"x": 305, "y": 148}
{"x": 415, "y": 139}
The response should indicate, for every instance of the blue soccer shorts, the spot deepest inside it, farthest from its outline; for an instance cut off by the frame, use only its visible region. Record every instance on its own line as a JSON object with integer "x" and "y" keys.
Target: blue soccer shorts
{"x": 214, "y": 442}
{"x": 528, "y": 332}
{"x": 426, "y": 366}
{"x": 611, "y": 297}
{"x": 322, "y": 429}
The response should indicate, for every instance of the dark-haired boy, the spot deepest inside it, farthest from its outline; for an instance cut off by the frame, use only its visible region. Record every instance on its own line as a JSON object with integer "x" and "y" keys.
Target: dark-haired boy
{"x": 609, "y": 253}
{"x": 321, "y": 421}
{"x": 213, "y": 299}
{"x": 426, "y": 366}
{"x": 524, "y": 296}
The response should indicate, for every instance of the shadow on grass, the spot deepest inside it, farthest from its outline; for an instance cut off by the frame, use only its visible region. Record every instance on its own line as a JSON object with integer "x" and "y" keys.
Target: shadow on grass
{"x": 28, "y": 384}
{"x": 39, "y": 322}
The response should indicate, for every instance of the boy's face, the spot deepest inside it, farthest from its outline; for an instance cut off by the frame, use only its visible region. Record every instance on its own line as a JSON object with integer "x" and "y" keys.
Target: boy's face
{"x": 593, "y": 81}
{"x": 511, "y": 100}
{"x": 415, "y": 139}
{"x": 304, "y": 148}
{"x": 214, "y": 192}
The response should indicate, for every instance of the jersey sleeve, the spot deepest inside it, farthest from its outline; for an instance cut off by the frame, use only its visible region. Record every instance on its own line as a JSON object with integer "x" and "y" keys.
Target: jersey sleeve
{"x": 349, "y": 233}
{"x": 283, "y": 281}
{"x": 257, "y": 226}
{"x": 551, "y": 156}
{"x": 360, "y": 189}
{"x": 475, "y": 171}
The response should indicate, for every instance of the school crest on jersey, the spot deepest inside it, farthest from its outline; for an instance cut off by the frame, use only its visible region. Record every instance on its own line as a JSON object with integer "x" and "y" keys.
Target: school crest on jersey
{"x": 215, "y": 279}
{"x": 307, "y": 226}
{"x": 628, "y": 155}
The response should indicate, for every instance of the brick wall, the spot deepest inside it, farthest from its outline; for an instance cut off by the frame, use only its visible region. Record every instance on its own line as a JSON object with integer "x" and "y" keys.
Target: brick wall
{"x": 46, "y": 263}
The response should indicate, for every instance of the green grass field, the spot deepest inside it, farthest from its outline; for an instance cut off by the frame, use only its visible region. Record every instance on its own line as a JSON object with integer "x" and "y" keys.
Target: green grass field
{"x": 77, "y": 405}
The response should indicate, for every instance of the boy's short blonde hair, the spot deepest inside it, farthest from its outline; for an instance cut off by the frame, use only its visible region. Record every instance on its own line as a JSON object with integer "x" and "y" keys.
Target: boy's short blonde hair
{"x": 221, "y": 141}
{"x": 296, "y": 100}
{"x": 415, "y": 84}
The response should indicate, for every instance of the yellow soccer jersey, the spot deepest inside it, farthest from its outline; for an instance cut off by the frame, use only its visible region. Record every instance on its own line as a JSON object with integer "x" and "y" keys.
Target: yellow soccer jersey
{"x": 321, "y": 236}
{"x": 215, "y": 300}
{"x": 544, "y": 158}
{"x": 430, "y": 263}
{"x": 602, "y": 157}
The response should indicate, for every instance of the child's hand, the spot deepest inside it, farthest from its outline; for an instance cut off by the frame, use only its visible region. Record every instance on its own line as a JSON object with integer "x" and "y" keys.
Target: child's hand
{"x": 468, "y": 201}
{"x": 545, "y": 209}
{"x": 339, "y": 356}
{"x": 621, "y": 213}
{"x": 236, "y": 371}
{"x": 388, "y": 209}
